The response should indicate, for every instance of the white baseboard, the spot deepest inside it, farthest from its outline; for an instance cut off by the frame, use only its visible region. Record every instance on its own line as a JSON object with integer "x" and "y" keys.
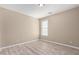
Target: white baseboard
{"x": 62, "y": 44}
{"x": 18, "y": 44}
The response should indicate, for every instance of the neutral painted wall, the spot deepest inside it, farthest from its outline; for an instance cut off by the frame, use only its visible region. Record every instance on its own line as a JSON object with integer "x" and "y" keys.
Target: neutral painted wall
{"x": 64, "y": 27}
{"x": 0, "y": 28}
{"x": 17, "y": 28}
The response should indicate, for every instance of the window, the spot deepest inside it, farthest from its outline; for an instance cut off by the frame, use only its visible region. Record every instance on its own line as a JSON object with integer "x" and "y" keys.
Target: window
{"x": 44, "y": 28}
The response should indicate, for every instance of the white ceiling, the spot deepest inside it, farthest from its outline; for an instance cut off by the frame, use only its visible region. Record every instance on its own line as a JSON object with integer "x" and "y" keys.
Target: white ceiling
{"x": 39, "y": 12}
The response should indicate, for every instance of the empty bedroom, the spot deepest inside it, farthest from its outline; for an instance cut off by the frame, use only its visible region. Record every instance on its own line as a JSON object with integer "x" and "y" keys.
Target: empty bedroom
{"x": 39, "y": 29}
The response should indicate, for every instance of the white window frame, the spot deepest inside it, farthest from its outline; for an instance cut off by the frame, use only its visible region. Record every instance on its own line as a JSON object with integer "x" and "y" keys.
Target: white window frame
{"x": 44, "y": 27}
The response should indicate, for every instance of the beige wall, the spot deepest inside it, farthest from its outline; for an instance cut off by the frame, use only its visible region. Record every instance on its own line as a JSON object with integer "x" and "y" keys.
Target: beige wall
{"x": 0, "y": 29}
{"x": 17, "y": 28}
{"x": 64, "y": 27}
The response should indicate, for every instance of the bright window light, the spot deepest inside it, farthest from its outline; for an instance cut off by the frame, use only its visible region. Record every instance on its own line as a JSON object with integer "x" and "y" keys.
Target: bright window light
{"x": 44, "y": 28}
